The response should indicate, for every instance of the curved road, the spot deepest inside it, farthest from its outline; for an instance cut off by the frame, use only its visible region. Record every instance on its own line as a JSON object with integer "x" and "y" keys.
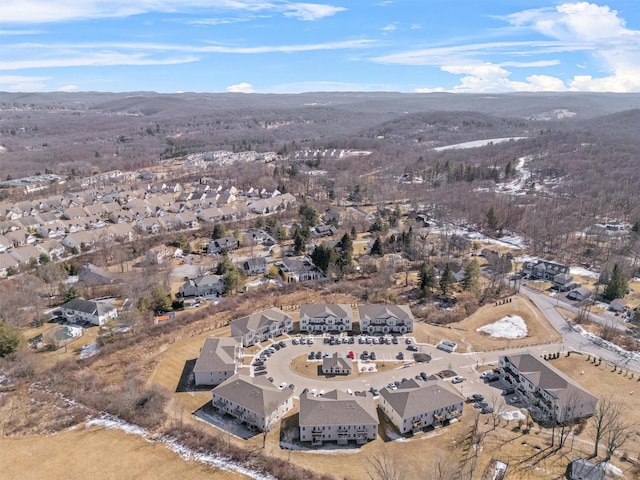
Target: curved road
{"x": 278, "y": 365}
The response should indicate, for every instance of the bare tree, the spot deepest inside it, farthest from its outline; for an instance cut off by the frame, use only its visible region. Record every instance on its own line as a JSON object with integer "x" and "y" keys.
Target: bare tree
{"x": 617, "y": 434}
{"x": 607, "y": 412}
{"x": 444, "y": 469}
{"x": 384, "y": 467}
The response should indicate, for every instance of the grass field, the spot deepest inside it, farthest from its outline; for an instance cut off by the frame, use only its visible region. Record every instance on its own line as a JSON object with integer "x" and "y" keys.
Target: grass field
{"x": 98, "y": 453}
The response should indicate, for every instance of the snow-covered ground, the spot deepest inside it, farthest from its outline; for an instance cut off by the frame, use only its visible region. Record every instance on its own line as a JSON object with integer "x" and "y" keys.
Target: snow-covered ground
{"x": 476, "y": 143}
{"x": 583, "y": 272}
{"x": 89, "y": 350}
{"x": 513, "y": 415}
{"x": 511, "y": 326}
{"x": 605, "y": 344}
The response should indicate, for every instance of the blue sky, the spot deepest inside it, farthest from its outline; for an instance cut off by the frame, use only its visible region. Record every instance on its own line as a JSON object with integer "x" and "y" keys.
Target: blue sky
{"x": 277, "y": 46}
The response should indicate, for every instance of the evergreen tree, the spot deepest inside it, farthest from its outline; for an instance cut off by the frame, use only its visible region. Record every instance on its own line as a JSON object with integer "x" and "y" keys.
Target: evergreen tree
{"x": 323, "y": 256}
{"x": 354, "y": 232}
{"x": 299, "y": 242}
{"x": 636, "y": 227}
{"x": 617, "y": 286}
{"x": 308, "y": 215}
{"x": 492, "y": 219}
{"x": 376, "y": 248}
{"x": 471, "y": 276}
{"x": 446, "y": 281}
{"x": 427, "y": 278}
{"x": 10, "y": 339}
{"x": 218, "y": 231}
{"x": 346, "y": 245}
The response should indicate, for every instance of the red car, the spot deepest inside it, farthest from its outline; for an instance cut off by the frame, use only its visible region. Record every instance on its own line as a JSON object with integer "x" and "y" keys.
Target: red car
{"x": 350, "y": 355}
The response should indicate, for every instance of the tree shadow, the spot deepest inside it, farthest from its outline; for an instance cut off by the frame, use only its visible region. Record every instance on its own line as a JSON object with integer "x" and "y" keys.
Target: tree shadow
{"x": 187, "y": 380}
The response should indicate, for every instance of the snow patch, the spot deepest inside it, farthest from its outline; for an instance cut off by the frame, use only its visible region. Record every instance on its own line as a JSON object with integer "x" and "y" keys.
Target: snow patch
{"x": 476, "y": 143}
{"x": 89, "y": 350}
{"x": 612, "y": 469}
{"x": 511, "y": 326}
{"x": 583, "y": 272}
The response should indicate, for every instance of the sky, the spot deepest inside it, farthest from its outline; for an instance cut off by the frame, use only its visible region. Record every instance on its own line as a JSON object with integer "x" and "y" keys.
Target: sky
{"x": 282, "y": 46}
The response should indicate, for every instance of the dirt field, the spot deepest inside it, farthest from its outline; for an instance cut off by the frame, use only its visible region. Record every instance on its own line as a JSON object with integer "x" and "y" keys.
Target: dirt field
{"x": 80, "y": 454}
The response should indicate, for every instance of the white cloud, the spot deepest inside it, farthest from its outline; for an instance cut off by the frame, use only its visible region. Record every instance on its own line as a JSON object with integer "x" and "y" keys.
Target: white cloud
{"x": 416, "y": 26}
{"x": 243, "y": 87}
{"x": 582, "y": 27}
{"x": 392, "y": 27}
{"x": 20, "y": 83}
{"x": 68, "y": 88}
{"x": 50, "y": 11}
{"x": 311, "y": 11}
{"x": 94, "y": 59}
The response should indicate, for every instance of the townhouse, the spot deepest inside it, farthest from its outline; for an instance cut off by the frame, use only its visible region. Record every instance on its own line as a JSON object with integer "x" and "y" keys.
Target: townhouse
{"x": 385, "y": 319}
{"x": 261, "y": 326}
{"x": 217, "y": 361}
{"x": 326, "y": 317}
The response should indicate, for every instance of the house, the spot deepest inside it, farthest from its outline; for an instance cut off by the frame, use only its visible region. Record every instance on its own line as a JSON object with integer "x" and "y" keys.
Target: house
{"x": 563, "y": 282}
{"x": 52, "y": 248}
{"x": 204, "y": 286}
{"x": 253, "y": 237}
{"x": 385, "y": 319}
{"x": 298, "y": 269}
{"x": 5, "y": 244}
{"x": 254, "y": 401}
{"x": 26, "y": 254}
{"x": 618, "y": 305}
{"x": 187, "y": 219}
{"x": 550, "y": 390}
{"x": 336, "y": 365}
{"x": 543, "y": 269}
{"x": 158, "y": 254}
{"x": 583, "y": 469}
{"x": 324, "y": 230}
{"x": 90, "y": 274}
{"x": 149, "y": 225}
{"x": 79, "y": 240}
{"x": 20, "y": 237}
{"x": 223, "y": 244}
{"x": 414, "y": 406}
{"x": 258, "y": 327}
{"x": 255, "y": 266}
{"x": 273, "y": 204}
{"x": 52, "y": 230}
{"x": 97, "y": 313}
{"x": 122, "y": 232}
{"x": 338, "y": 417}
{"x": 579, "y": 294}
{"x": 8, "y": 264}
{"x": 210, "y": 214}
{"x": 326, "y": 317}
{"x": 217, "y": 361}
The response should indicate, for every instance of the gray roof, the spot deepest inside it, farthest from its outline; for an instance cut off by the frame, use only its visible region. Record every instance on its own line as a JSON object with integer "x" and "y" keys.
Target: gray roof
{"x": 217, "y": 355}
{"x": 548, "y": 378}
{"x": 337, "y": 408}
{"x": 88, "y": 271}
{"x": 336, "y": 361}
{"x": 88, "y": 306}
{"x": 256, "y": 394}
{"x": 583, "y": 469}
{"x": 324, "y": 310}
{"x": 413, "y": 399}
{"x": 255, "y": 321}
{"x": 385, "y": 311}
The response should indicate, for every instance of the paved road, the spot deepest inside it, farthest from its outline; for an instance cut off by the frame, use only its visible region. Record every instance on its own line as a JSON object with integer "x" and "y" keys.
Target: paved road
{"x": 278, "y": 365}
{"x": 572, "y": 339}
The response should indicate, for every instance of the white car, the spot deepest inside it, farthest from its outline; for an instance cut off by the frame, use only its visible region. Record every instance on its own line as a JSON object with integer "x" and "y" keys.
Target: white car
{"x": 310, "y": 341}
{"x": 321, "y": 393}
{"x": 457, "y": 379}
{"x": 282, "y": 385}
{"x": 313, "y": 392}
{"x": 349, "y": 391}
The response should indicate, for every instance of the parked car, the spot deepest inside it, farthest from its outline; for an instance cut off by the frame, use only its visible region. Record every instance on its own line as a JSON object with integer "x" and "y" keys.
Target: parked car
{"x": 295, "y": 341}
{"x": 486, "y": 410}
{"x": 292, "y": 387}
{"x": 311, "y": 356}
{"x": 314, "y": 392}
{"x": 394, "y": 340}
{"x": 400, "y": 356}
{"x": 310, "y": 341}
{"x": 372, "y": 356}
{"x": 260, "y": 368}
{"x": 351, "y": 355}
{"x": 303, "y": 341}
{"x": 475, "y": 397}
{"x": 374, "y": 391}
{"x": 481, "y": 404}
{"x": 282, "y": 385}
{"x": 457, "y": 379}
{"x": 270, "y": 379}
{"x": 321, "y": 393}
{"x": 318, "y": 355}
{"x": 407, "y": 341}
{"x": 349, "y": 391}
{"x": 424, "y": 375}
{"x": 412, "y": 348}
{"x": 361, "y": 340}
{"x": 509, "y": 391}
